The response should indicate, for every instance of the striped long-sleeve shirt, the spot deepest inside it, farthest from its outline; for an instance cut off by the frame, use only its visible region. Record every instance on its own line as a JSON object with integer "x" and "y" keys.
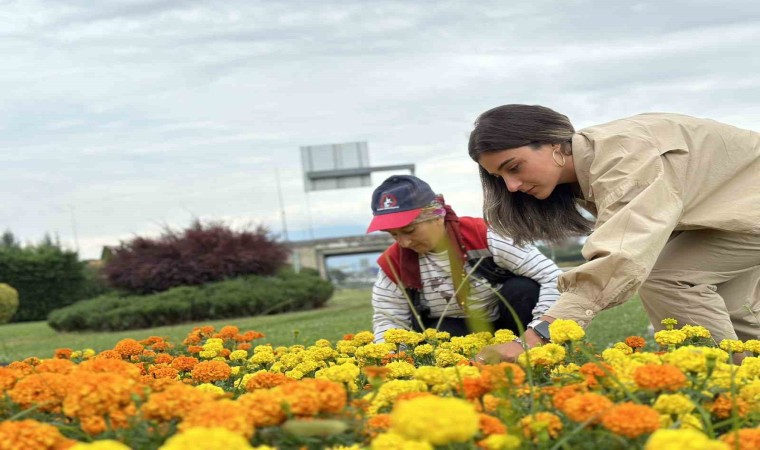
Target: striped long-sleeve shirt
{"x": 392, "y": 310}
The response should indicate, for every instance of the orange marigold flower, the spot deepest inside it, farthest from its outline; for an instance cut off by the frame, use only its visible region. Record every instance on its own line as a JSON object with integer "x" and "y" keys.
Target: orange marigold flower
{"x": 635, "y": 342}
{"x": 658, "y": 377}
{"x": 31, "y": 434}
{"x": 99, "y": 394}
{"x": 124, "y": 368}
{"x": 348, "y": 337}
{"x": 55, "y": 366}
{"x": 249, "y": 336}
{"x": 410, "y": 395}
{"x": 220, "y": 413}
{"x": 32, "y": 361}
{"x": 724, "y": 404}
{"x": 586, "y": 407}
{"x": 565, "y": 393}
{"x": 174, "y": 402}
{"x": 594, "y": 371}
{"x": 209, "y": 371}
{"x": 8, "y": 378}
{"x": 302, "y": 398}
{"x": 263, "y": 407}
{"x": 377, "y": 424}
{"x": 225, "y": 352}
{"x": 161, "y": 346}
{"x": 631, "y": 420}
{"x": 502, "y": 375}
{"x": 473, "y": 388}
{"x": 163, "y": 358}
{"x": 192, "y": 339}
{"x": 108, "y": 354}
{"x": 21, "y": 367}
{"x": 128, "y": 347}
{"x": 332, "y": 395}
{"x": 147, "y": 353}
{"x": 163, "y": 372}
{"x": 184, "y": 363}
{"x": 47, "y": 390}
{"x": 63, "y": 353}
{"x": 400, "y": 356}
{"x": 266, "y": 380}
{"x": 376, "y": 372}
{"x": 93, "y": 425}
{"x": 227, "y": 332}
{"x": 542, "y": 422}
{"x": 491, "y": 425}
{"x": 194, "y": 349}
{"x": 743, "y": 439}
{"x": 244, "y": 346}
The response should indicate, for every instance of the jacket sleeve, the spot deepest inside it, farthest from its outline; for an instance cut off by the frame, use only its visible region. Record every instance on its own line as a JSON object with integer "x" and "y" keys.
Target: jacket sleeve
{"x": 390, "y": 307}
{"x": 639, "y": 205}
{"x": 529, "y": 262}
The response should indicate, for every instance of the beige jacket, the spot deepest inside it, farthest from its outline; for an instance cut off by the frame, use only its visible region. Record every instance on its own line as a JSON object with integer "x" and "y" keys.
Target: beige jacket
{"x": 646, "y": 176}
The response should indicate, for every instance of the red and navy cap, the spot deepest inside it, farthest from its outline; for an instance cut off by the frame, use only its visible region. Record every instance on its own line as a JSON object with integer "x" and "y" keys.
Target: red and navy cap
{"x": 398, "y": 201}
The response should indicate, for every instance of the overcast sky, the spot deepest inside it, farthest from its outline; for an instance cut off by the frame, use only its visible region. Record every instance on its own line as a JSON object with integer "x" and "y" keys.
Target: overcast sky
{"x": 118, "y": 118}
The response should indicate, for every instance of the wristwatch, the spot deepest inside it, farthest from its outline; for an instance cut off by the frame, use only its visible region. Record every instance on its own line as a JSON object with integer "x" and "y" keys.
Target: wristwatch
{"x": 542, "y": 330}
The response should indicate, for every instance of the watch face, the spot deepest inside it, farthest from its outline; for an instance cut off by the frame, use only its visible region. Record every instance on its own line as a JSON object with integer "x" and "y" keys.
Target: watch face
{"x": 542, "y": 329}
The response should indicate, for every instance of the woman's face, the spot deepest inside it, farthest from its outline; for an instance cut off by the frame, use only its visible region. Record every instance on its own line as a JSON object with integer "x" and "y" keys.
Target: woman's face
{"x": 423, "y": 237}
{"x": 526, "y": 169}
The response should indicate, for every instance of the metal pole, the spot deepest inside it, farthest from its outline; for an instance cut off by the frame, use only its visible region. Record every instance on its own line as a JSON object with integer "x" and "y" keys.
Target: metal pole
{"x": 282, "y": 205}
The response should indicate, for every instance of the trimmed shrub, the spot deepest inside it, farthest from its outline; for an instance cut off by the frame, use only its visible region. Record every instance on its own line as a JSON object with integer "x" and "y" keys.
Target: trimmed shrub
{"x": 193, "y": 257}
{"x": 250, "y": 295}
{"x": 45, "y": 276}
{"x": 8, "y": 302}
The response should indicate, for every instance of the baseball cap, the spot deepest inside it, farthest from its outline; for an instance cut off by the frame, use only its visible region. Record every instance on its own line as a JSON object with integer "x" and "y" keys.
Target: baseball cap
{"x": 398, "y": 201}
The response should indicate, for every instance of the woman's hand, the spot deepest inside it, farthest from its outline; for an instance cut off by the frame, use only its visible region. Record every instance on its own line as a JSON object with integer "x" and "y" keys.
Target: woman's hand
{"x": 509, "y": 351}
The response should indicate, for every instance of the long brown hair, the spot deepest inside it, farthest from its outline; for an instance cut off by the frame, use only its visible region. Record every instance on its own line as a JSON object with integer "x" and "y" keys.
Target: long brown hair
{"x": 520, "y": 216}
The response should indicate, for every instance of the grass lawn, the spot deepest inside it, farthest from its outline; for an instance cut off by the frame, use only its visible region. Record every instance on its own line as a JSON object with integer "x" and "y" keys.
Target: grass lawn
{"x": 348, "y": 311}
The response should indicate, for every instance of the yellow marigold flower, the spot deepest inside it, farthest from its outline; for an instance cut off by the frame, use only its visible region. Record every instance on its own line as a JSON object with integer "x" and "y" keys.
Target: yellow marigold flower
{"x": 262, "y": 358}
{"x": 669, "y": 323}
{"x": 364, "y": 337}
{"x": 374, "y": 351}
{"x": 503, "y": 336}
{"x": 631, "y": 420}
{"x": 750, "y": 393}
{"x": 423, "y": 350}
{"x": 399, "y": 336}
{"x": 500, "y": 442}
{"x": 400, "y": 369}
{"x": 344, "y": 447}
{"x": 446, "y": 358}
{"x": 207, "y": 354}
{"x": 690, "y": 421}
{"x": 669, "y": 337}
{"x": 346, "y": 347}
{"x": 88, "y": 353}
{"x": 468, "y": 345}
{"x": 31, "y": 434}
{"x": 752, "y": 345}
{"x": 208, "y": 387}
{"x": 562, "y": 331}
{"x": 214, "y": 343}
{"x": 722, "y": 376}
{"x": 219, "y": 413}
{"x": 388, "y": 392}
{"x": 105, "y": 444}
{"x": 437, "y": 420}
{"x": 206, "y": 438}
{"x": 732, "y": 345}
{"x": 394, "y": 441}
{"x": 238, "y": 355}
{"x": 322, "y": 343}
{"x": 344, "y": 373}
{"x": 209, "y": 371}
{"x": 676, "y": 404}
{"x": 685, "y": 439}
{"x": 695, "y": 359}
{"x": 623, "y": 347}
{"x": 535, "y": 425}
{"x": 542, "y": 355}
{"x": 696, "y": 331}
{"x": 564, "y": 369}
{"x": 614, "y": 355}
{"x": 431, "y": 375}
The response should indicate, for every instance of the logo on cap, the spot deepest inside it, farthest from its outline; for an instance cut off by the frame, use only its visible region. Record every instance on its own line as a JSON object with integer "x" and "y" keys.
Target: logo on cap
{"x": 387, "y": 201}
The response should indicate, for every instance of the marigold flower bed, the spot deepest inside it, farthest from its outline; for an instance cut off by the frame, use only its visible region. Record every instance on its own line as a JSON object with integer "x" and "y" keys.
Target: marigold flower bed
{"x": 218, "y": 390}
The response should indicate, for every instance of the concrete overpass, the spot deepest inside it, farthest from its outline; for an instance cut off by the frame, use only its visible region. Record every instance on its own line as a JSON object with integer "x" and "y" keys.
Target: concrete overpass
{"x": 313, "y": 253}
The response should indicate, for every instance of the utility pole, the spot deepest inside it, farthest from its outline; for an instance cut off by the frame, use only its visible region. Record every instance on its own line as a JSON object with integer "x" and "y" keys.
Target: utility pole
{"x": 282, "y": 205}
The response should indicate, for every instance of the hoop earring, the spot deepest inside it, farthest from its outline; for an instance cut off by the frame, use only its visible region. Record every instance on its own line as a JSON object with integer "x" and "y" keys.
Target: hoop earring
{"x": 559, "y": 164}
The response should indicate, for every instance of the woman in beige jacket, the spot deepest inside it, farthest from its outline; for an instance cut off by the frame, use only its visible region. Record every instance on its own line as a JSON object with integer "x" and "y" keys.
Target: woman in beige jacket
{"x": 676, "y": 201}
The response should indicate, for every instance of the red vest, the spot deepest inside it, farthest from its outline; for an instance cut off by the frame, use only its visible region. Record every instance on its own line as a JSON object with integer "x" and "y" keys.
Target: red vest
{"x": 402, "y": 264}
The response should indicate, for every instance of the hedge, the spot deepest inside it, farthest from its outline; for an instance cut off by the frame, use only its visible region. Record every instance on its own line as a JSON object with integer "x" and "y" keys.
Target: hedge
{"x": 244, "y": 296}
{"x": 46, "y": 277}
